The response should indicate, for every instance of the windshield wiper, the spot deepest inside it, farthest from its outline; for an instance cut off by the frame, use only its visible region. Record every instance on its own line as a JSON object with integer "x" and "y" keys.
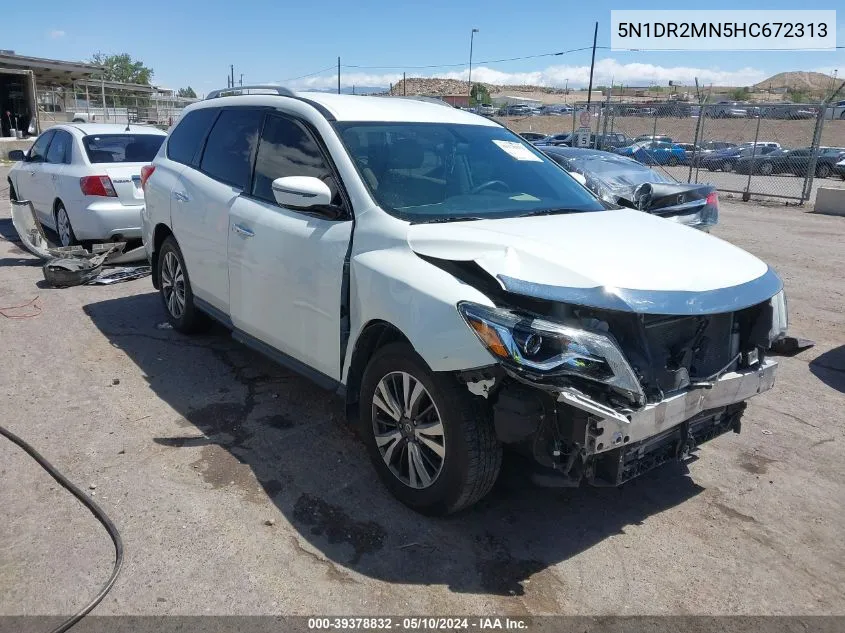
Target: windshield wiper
{"x": 451, "y": 218}
{"x": 549, "y": 212}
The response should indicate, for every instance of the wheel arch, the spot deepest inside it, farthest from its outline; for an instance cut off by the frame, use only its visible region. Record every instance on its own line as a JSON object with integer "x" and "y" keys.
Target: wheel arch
{"x": 374, "y": 335}
{"x": 161, "y": 233}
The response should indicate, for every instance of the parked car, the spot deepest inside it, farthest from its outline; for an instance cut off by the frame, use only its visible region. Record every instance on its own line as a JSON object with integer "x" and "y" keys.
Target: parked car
{"x": 84, "y": 179}
{"x": 726, "y": 159}
{"x": 652, "y": 137}
{"x": 619, "y": 180}
{"x": 611, "y": 141}
{"x": 485, "y": 109}
{"x": 775, "y": 162}
{"x": 691, "y": 152}
{"x": 555, "y": 139}
{"x": 728, "y": 110}
{"x": 794, "y": 161}
{"x": 556, "y": 110}
{"x": 517, "y": 110}
{"x": 654, "y": 153}
{"x": 409, "y": 257}
{"x": 533, "y": 136}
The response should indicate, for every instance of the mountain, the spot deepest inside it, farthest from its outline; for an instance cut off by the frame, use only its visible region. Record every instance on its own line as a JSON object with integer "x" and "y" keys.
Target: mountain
{"x": 359, "y": 90}
{"x": 797, "y": 80}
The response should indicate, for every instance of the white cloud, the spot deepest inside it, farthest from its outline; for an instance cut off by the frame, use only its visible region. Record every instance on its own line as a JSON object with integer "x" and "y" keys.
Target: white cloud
{"x": 633, "y": 74}
{"x": 56, "y": 34}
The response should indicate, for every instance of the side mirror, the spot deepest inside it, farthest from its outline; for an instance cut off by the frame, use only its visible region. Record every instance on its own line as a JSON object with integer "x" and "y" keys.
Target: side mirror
{"x": 17, "y": 155}
{"x": 301, "y": 192}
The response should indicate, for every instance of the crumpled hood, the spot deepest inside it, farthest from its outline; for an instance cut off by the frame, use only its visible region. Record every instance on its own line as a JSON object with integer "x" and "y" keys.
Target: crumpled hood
{"x": 620, "y": 259}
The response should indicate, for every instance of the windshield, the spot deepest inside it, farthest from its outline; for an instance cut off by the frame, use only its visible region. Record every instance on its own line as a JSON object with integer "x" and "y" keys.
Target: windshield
{"x": 122, "y": 148}
{"x": 424, "y": 172}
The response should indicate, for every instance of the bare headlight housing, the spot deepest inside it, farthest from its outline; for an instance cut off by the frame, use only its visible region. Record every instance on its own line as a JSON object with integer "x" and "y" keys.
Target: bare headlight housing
{"x": 546, "y": 349}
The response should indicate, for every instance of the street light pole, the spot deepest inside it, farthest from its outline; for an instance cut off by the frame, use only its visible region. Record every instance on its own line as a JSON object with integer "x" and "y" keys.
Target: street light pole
{"x": 471, "y": 37}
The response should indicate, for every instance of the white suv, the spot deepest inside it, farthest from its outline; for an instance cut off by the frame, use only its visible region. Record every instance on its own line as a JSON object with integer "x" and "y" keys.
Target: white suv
{"x": 459, "y": 289}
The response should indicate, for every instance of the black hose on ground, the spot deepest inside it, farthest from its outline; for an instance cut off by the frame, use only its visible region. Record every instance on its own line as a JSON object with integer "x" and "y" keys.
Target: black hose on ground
{"x": 98, "y": 514}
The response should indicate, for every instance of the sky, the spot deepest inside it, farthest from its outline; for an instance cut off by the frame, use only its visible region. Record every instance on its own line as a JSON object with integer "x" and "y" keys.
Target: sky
{"x": 190, "y": 42}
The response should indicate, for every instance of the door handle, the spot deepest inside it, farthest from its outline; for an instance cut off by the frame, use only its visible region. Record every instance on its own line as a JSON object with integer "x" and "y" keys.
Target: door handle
{"x": 181, "y": 197}
{"x": 242, "y": 230}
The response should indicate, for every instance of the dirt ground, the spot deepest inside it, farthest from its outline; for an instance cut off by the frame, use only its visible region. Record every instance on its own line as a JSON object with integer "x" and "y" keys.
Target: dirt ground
{"x": 193, "y": 445}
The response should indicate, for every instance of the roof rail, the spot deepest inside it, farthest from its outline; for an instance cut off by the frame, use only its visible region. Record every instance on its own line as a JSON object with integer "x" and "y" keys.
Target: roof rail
{"x": 242, "y": 90}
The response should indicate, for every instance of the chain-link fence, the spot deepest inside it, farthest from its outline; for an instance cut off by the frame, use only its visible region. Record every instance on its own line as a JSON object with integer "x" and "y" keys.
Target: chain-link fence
{"x": 767, "y": 150}
{"x": 749, "y": 149}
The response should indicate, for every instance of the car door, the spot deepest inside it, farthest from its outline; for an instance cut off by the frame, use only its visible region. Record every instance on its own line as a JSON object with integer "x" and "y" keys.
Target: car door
{"x": 52, "y": 174}
{"x": 798, "y": 161}
{"x": 202, "y": 198}
{"x": 30, "y": 185}
{"x": 286, "y": 265}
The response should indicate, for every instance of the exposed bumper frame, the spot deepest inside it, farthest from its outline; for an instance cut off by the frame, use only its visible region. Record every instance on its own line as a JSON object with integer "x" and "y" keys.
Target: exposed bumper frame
{"x": 618, "y": 428}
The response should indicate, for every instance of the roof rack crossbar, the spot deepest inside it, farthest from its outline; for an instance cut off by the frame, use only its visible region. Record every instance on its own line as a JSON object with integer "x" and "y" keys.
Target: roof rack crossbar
{"x": 221, "y": 92}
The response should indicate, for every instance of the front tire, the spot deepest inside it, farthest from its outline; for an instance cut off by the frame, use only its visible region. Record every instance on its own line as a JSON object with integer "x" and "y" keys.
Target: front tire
{"x": 673, "y": 161}
{"x": 175, "y": 289}
{"x": 431, "y": 442}
{"x": 823, "y": 171}
{"x": 727, "y": 166}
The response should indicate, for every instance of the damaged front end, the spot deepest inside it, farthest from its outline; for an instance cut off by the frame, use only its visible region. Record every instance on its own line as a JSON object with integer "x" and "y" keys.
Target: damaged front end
{"x": 604, "y": 394}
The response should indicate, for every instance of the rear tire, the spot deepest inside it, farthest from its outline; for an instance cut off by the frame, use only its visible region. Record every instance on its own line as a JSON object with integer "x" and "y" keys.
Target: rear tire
{"x": 673, "y": 161}
{"x": 63, "y": 227}
{"x": 766, "y": 169}
{"x": 824, "y": 170}
{"x": 460, "y": 453}
{"x": 177, "y": 297}
{"x": 726, "y": 166}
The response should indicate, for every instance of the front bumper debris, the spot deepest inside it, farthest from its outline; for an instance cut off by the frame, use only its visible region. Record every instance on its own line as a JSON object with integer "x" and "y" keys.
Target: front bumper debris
{"x": 614, "y": 428}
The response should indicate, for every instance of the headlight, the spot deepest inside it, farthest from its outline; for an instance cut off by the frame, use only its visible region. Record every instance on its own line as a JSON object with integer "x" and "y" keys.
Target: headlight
{"x": 780, "y": 321}
{"x": 545, "y": 349}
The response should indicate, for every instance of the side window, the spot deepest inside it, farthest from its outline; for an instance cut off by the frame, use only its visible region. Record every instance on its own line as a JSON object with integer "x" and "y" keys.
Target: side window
{"x": 229, "y": 149}
{"x": 184, "y": 142}
{"x": 59, "y": 152}
{"x": 39, "y": 149}
{"x": 288, "y": 149}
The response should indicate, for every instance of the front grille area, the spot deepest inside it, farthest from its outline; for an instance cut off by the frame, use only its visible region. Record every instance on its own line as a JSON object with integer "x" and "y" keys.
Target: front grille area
{"x": 686, "y": 349}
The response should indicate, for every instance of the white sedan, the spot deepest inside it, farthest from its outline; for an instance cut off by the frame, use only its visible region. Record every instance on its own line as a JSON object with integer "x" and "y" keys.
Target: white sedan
{"x": 84, "y": 180}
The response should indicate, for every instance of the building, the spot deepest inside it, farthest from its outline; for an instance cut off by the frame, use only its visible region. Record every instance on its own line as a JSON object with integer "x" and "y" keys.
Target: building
{"x": 458, "y": 101}
{"x": 501, "y": 101}
{"x": 36, "y": 93}
{"x": 21, "y": 79}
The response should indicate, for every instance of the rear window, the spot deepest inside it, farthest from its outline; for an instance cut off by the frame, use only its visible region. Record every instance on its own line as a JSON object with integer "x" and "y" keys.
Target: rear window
{"x": 122, "y": 148}
{"x": 184, "y": 142}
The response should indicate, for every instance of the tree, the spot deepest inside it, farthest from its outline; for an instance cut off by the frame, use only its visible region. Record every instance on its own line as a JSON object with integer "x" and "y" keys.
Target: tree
{"x": 738, "y": 94}
{"x": 187, "y": 93}
{"x": 123, "y": 68}
{"x": 479, "y": 94}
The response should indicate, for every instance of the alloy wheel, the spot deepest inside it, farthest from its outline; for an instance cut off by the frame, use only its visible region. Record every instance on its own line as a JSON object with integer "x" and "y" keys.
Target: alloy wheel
{"x": 408, "y": 430}
{"x": 173, "y": 285}
{"x": 766, "y": 169}
{"x": 63, "y": 226}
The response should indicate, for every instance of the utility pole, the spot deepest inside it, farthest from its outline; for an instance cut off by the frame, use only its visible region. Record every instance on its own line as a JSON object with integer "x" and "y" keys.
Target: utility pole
{"x": 592, "y": 67}
{"x": 338, "y": 75}
{"x": 241, "y": 83}
{"x": 404, "y": 86}
{"x": 471, "y": 37}
{"x": 232, "y": 74}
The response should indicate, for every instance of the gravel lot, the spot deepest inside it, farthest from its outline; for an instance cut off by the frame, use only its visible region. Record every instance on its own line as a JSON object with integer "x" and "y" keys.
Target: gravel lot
{"x": 194, "y": 443}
